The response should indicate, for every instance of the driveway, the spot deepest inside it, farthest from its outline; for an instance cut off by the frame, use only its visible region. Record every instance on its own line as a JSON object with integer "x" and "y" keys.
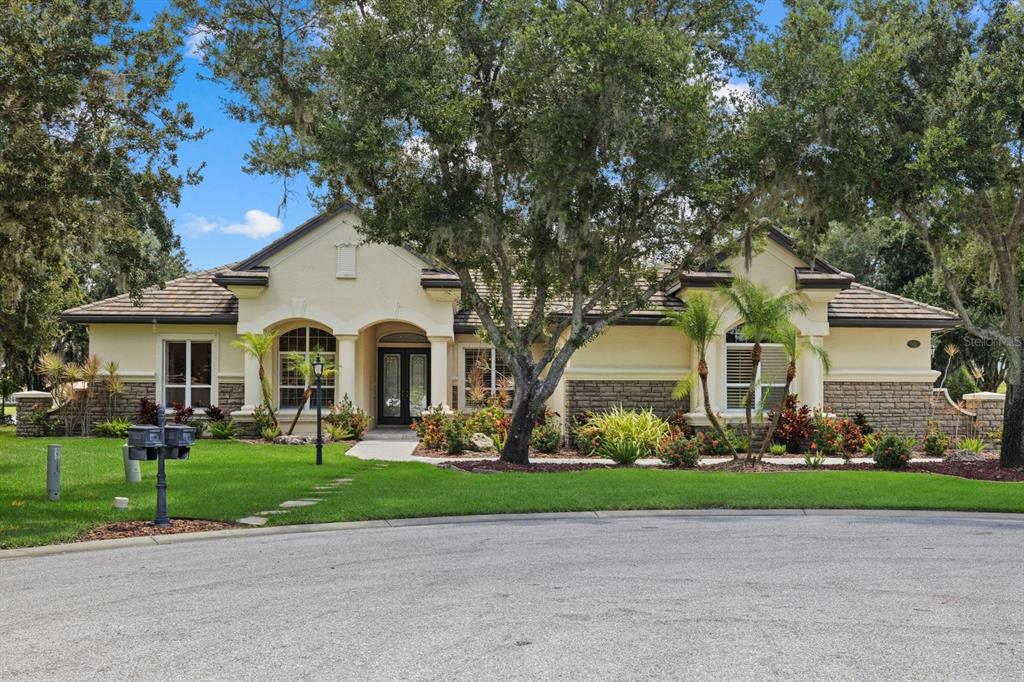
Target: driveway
{"x": 713, "y": 596}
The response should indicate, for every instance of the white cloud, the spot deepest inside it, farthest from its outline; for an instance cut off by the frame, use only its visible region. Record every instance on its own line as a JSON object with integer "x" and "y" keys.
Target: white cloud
{"x": 197, "y": 224}
{"x": 194, "y": 42}
{"x": 256, "y": 226}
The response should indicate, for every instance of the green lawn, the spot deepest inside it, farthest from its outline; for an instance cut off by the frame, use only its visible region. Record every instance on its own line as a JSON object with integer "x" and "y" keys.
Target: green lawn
{"x": 226, "y": 480}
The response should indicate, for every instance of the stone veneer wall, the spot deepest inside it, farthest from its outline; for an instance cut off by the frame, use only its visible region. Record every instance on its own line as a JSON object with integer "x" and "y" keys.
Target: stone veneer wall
{"x": 905, "y": 407}
{"x": 595, "y": 395}
{"x": 230, "y": 394}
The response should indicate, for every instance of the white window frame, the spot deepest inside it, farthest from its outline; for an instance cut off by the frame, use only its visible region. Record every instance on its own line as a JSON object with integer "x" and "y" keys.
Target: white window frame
{"x": 345, "y": 273}
{"x": 282, "y": 357}
{"x": 161, "y": 363}
{"x": 759, "y": 386}
{"x": 463, "y": 407}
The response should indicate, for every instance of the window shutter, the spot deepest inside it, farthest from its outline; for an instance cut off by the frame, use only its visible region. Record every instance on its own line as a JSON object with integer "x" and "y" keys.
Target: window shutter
{"x": 346, "y": 260}
{"x": 773, "y": 365}
{"x": 737, "y": 363}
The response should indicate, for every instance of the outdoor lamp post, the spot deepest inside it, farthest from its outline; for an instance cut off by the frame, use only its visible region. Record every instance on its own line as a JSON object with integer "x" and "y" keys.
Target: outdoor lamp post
{"x": 318, "y": 372}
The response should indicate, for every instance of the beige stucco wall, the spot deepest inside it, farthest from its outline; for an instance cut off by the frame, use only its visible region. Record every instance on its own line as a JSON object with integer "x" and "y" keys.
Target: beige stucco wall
{"x": 304, "y": 286}
{"x": 639, "y": 352}
{"x": 137, "y": 348}
{"x": 879, "y": 354}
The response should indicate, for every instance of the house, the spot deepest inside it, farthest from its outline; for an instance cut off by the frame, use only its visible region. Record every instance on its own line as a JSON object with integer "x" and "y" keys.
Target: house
{"x": 395, "y": 326}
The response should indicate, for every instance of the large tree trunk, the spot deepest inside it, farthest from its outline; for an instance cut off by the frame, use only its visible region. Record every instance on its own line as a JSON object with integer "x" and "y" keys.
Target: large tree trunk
{"x": 1011, "y": 453}
{"x": 702, "y": 372}
{"x": 770, "y": 433}
{"x": 755, "y": 360}
{"x": 524, "y": 411}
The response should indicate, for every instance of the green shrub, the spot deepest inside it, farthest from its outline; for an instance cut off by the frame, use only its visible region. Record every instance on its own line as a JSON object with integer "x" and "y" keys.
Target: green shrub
{"x": 712, "y": 445}
{"x": 892, "y": 451}
{"x": 870, "y": 441}
{"x": 456, "y": 436}
{"x": 339, "y": 433}
{"x": 269, "y": 433}
{"x": 347, "y": 416}
{"x": 113, "y": 428}
{"x": 223, "y": 430}
{"x": 971, "y": 444}
{"x": 826, "y": 438}
{"x": 960, "y": 382}
{"x": 261, "y": 420}
{"x": 547, "y": 434}
{"x": 430, "y": 427}
{"x": 777, "y": 449}
{"x": 489, "y": 421}
{"x": 935, "y": 441}
{"x": 678, "y": 450}
{"x": 627, "y": 435}
{"x": 814, "y": 459}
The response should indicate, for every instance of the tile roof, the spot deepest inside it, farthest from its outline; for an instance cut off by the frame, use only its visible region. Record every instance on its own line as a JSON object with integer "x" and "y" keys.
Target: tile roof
{"x": 192, "y": 298}
{"x": 863, "y": 306}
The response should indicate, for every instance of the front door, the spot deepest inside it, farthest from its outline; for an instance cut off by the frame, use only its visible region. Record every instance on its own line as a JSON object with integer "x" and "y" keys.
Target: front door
{"x": 403, "y": 384}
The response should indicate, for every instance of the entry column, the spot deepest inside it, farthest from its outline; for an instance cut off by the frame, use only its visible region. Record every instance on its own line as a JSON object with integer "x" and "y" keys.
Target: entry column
{"x": 439, "y": 370}
{"x": 345, "y": 381}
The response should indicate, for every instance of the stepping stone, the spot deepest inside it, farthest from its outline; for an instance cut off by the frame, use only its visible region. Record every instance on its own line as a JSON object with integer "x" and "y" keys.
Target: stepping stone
{"x": 288, "y": 504}
{"x": 325, "y": 488}
{"x": 272, "y": 511}
{"x": 314, "y": 500}
{"x": 342, "y": 481}
{"x": 253, "y": 520}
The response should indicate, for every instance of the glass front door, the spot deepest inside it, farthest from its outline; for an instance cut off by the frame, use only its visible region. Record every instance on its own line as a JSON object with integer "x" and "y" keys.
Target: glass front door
{"x": 403, "y": 384}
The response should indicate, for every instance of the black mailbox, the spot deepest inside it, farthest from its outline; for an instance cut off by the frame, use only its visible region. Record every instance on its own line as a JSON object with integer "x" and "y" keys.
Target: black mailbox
{"x": 179, "y": 436}
{"x": 144, "y": 436}
{"x": 171, "y": 452}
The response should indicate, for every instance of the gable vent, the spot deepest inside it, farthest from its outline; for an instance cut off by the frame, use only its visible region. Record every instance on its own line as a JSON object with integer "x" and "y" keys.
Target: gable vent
{"x": 346, "y": 254}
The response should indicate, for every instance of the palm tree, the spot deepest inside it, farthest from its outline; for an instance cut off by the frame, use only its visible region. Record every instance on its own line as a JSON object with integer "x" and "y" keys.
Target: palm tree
{"x": 56, "y": 373}
{"x": 115, "y": 387}
{"x": 258, "y": 344}
{"x": 89, "y": 372}
{"x": 699, "y": 323}
{"x": 793, "y": 344}
{"x": 303, "y": 364}
{"x": 761, "y": 315}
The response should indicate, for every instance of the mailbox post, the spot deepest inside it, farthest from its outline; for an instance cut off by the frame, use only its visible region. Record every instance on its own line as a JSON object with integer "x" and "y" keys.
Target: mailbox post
{"x": 160, "y": 442}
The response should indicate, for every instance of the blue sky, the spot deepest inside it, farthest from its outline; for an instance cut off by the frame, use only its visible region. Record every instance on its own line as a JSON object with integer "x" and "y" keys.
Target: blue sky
{"x": 231, "y": 214}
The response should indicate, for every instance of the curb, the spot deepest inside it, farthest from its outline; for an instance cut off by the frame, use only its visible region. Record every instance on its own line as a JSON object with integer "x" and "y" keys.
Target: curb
{"x": 149, "y": 540}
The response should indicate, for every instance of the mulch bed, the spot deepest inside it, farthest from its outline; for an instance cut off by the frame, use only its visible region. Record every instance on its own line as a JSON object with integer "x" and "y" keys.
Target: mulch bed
{"x": 987, "y": 470}
{"x": 135, "y": 529}
{"x": 475, "y": 454}
{"x": 491, "y": 466}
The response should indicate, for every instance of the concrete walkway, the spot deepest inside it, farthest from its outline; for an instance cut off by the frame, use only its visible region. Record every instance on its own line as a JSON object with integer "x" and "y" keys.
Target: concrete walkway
{"x": 402, "y": 451}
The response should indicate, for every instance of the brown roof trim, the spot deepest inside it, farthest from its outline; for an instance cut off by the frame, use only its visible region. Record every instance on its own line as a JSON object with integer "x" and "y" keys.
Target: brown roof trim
{"x": 813, "y": 279}
{"x": 434, "y": 278}
{"x": 289, "y": 238}
{"x": 242, "y": 278}
{"x": 149, "y": 319}
{"x": 893, "y": 323}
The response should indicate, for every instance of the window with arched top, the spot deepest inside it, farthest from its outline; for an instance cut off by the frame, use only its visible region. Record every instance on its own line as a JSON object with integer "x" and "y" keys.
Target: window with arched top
{"x": 770, "y": 380}
{"x": 303, "y": 344}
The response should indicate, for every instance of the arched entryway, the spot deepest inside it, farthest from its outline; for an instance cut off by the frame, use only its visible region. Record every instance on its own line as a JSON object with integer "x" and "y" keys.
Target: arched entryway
{"x": 403, "y": 374}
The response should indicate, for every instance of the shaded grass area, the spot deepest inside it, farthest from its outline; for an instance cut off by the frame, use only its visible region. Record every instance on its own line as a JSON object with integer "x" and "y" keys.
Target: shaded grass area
{"x": 228, "y": 480}
{"x": 222, "y": 480}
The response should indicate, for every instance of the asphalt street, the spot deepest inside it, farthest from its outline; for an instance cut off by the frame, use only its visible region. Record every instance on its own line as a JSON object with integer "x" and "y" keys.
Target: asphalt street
{"x": 795, "y": 597}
